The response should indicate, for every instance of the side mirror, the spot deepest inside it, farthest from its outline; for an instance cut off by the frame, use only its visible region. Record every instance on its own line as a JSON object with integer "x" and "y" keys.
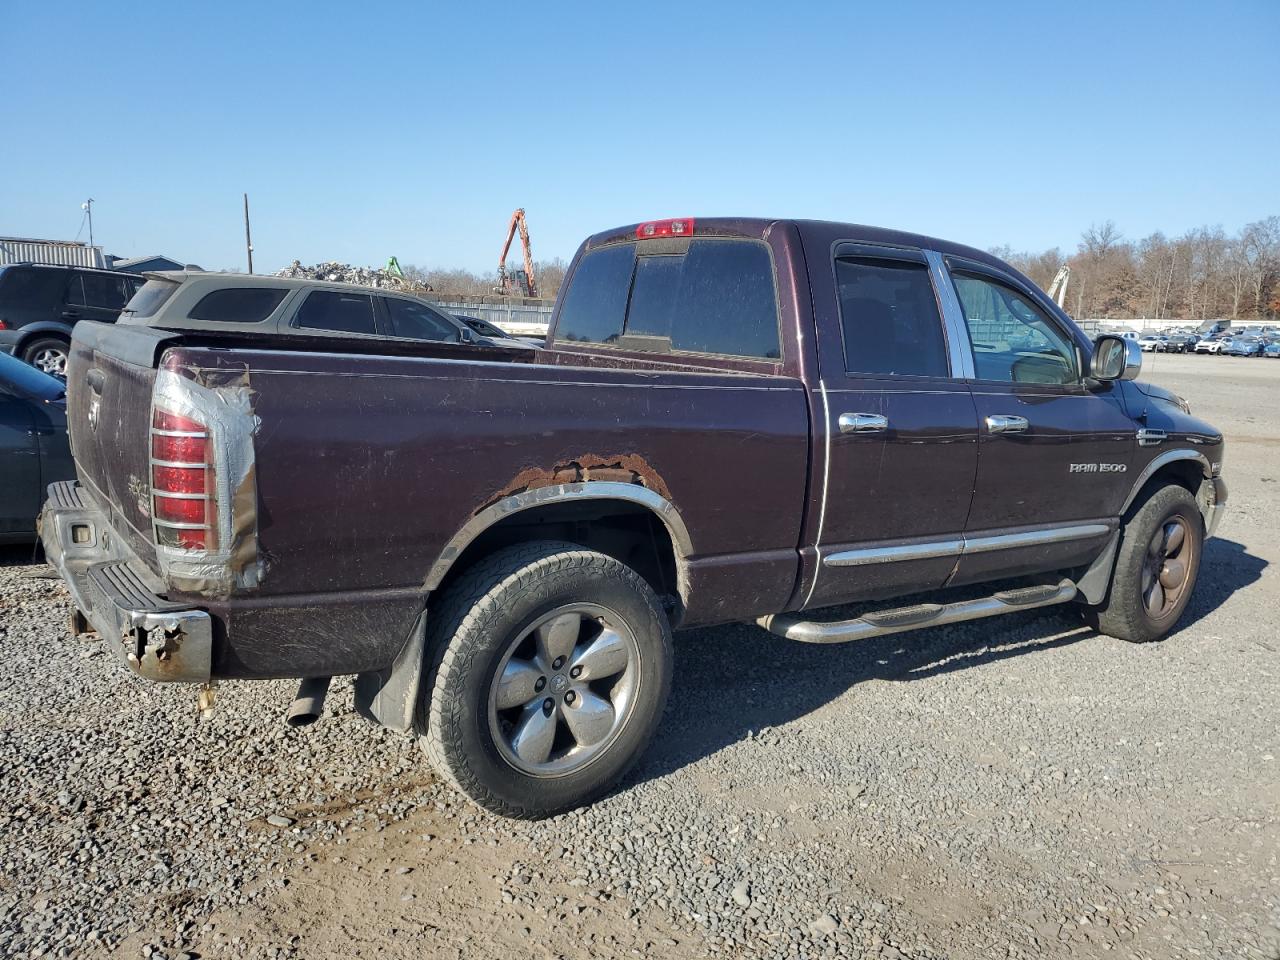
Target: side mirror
{"x": 466, "y": 335}
{"x": 1115, "y": 358}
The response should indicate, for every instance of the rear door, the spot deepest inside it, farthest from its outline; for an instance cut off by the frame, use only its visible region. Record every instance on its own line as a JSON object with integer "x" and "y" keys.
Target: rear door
{"x": 900, "y": 426}
{"x": 1055, "y": 447}
{"x": 96, "y": 296}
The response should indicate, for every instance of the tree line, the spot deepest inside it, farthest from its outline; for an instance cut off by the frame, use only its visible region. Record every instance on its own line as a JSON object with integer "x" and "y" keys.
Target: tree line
{"x": 1205, "y": 274}
{"x": 549, "y": 274}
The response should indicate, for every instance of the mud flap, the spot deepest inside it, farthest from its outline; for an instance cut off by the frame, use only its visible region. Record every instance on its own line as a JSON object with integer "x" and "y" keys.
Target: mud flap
{"x": 389, "y": 697}
{"x": 1096, "y": 580}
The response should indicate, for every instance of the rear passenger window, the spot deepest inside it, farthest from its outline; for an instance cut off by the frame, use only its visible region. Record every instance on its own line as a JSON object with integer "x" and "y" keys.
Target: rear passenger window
{"x": 596, "y": 302}
{"x": 238, "y": 305}
{"x": 890, "y": 318}
{"x": 105, "y": 291}
{"x": 717, "y": 297}
{"x": 334, "y": 310}
{"x": 75, "y": 292}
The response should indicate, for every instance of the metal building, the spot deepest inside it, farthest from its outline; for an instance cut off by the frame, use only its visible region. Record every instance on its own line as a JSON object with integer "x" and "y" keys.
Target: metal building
{"x": 68, "y": 253}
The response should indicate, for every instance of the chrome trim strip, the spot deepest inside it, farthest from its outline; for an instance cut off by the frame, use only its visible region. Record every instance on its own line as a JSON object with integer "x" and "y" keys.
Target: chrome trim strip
{"x": 826, "y": 475}
{"x": 179, "y": 496}
{"x": 1035, "y": 538}
{"x": 965, "y": 545}
{"x": 959, "y": 350}
{"x": 179, "y": 433}
{"x": 179, "y": 526}
{"x": 185, "y": 466}
{"x": 911, "y": 551}
{"x": 589, "y": 490}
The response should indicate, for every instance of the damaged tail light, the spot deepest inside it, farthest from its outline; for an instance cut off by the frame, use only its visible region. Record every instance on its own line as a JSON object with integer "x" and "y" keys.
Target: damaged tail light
{"x": 183, "y": 506}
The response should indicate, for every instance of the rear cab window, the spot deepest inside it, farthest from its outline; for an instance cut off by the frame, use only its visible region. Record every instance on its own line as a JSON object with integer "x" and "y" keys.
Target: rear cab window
{"x": 705, "y": 296}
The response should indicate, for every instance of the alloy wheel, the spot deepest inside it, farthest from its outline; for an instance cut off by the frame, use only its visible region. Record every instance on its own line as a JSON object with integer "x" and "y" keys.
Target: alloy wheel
{"x": 564, "y": 690}
{"x": 1166, "y": 572}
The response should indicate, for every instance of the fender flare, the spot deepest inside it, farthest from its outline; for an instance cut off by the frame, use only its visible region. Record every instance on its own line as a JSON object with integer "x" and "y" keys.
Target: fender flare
{"x": 1160, "y": 462}
{"x": 656, "y": 504}
{"x": 30, "y": 331}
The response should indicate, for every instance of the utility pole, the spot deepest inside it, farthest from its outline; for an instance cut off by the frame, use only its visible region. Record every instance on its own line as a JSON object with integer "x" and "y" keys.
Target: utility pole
{"x": 248, "y": 240}
{"x": 87, "y": 207}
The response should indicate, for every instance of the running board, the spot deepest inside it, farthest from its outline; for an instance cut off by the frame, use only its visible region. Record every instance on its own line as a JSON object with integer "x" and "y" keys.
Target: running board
{"x": 882, "y": 622}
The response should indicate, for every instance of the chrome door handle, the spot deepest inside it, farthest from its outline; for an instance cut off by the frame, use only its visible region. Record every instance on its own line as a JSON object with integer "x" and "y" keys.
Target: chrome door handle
{"x": 1000, "y": 423}
{"x": 863, "y": 423}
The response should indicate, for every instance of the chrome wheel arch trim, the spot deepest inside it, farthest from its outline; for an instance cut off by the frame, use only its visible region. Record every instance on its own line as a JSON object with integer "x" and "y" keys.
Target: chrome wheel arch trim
{"x": 1166, "y": 458}
{"x": 569, "y": 493}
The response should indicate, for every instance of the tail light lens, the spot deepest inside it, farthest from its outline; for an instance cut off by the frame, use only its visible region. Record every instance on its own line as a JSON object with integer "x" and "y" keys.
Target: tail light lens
{"x": 182, "y": 483}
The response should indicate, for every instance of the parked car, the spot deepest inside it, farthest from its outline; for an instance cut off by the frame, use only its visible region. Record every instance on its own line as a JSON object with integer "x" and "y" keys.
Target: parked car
{"x": 735, "y": 419}
{"x": 1213, "y": 344}
{"x": 33, "y": 445}
{"x": 1244, "y": 347}
{"x": 1181, "y": 343}
{"x": 1272, "y": 349}
{"x": 41, "y": 303}
{"x": 235, "y": 304}
{"x": 1152, "y": 343}
{"x": 494, "y": 332}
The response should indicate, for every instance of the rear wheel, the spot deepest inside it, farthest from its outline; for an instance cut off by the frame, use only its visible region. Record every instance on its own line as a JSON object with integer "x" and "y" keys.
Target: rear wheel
{"x": 552, "y": 670}
{"x": 1156, "y": 569}
{"x": 48, "y": 354}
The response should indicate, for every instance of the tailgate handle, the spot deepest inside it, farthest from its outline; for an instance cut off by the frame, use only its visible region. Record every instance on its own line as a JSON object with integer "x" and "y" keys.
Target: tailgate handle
{"x": 95, "y": 378}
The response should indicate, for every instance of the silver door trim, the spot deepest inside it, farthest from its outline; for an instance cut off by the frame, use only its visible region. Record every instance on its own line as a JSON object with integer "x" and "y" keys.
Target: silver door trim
{"x": 964, "y": 545}
{"x": 960, "y": 351}
{"x": 826, "y": 474}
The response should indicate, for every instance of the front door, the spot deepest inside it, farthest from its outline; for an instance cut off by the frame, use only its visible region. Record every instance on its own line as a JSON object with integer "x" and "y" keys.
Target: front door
{"x": 19, "y": 467}
{"x": 900, "y": 428}
{"x": 1054, "y": 447}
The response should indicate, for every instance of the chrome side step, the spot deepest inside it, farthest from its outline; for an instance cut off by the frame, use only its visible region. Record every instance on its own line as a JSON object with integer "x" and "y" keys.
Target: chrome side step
{"x": 881, "y": 622}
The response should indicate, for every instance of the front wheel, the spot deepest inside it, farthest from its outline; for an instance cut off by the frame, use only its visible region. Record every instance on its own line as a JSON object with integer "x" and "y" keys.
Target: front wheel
{"x": 48, "y": 354}
{"x": 1156, "y": 569}
{"x": 552, "y": 669}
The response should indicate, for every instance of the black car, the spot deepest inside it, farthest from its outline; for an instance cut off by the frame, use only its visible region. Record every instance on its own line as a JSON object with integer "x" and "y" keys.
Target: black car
{"x": 1181, "y": 343}
{"x": 492, "y": 331}
{"x": 40, "y": 303}
{"x": 33, "y": 445}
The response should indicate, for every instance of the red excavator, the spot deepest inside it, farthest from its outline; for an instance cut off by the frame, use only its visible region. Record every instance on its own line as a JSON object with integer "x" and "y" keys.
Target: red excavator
{"x": 521, "y": 283}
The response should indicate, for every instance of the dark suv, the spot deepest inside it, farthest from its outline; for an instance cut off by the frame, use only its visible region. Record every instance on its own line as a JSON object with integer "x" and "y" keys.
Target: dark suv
{"x": 40, "y": 303}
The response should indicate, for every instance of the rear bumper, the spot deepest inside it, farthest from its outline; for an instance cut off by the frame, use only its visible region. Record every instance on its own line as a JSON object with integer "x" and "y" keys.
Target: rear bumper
{"x": 116, "y": 593}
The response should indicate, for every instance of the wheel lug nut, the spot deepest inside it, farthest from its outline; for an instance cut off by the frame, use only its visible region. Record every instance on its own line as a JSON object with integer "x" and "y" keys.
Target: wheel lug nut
{"x": 570, "y": 697}
{"x": 557, "y": 663}
{"x": 548, "y": 705}
{"x": 576, "y": 672}
{"x": 539, "y": 684}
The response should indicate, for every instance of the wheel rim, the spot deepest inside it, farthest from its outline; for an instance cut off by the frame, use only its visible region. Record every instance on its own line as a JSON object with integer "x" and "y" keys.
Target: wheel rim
{"x": 50, "y": 360}
{"x": 1166, "y": 572}
{"x": 564, "y": 690}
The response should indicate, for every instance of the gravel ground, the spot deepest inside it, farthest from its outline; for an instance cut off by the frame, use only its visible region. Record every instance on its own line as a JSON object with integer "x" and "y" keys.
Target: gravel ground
{"x": 1016, "y": 787}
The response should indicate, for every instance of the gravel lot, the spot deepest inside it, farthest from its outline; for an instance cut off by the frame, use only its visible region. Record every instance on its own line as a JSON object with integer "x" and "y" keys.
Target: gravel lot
{"x": 1016, "y": 787}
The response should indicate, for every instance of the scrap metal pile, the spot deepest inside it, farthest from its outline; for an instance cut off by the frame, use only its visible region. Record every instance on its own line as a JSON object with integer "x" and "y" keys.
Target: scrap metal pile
{"x": 334, "y": 272}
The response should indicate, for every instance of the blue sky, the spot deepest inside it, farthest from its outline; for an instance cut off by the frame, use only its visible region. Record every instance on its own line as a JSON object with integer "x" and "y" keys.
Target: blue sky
{"x": 362, "y": 131}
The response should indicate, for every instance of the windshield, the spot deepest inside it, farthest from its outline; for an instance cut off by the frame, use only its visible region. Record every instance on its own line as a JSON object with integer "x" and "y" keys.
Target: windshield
{"x": 24, "y": 380}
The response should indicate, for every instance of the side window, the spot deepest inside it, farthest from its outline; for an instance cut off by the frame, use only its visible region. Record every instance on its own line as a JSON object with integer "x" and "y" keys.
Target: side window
{"x": 596, "y": 301}
{"x": 335, "y": 310}
{"x": 105, "y": 291}
{"x": 717, "y": 298}
{"x": 237, "y": 305}
{"x": 416, "y": 321}
{"x": 75, "y": 292}
{"x": 1013, "y": 340}
{"x": 890, "y": 318}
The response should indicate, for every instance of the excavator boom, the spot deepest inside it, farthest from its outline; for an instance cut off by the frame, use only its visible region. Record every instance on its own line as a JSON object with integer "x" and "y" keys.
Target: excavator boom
{"x": 505, "y": 280}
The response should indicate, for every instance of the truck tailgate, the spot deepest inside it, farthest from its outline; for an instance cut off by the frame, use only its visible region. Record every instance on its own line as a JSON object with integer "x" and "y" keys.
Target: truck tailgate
{"x": 110, "y": 376}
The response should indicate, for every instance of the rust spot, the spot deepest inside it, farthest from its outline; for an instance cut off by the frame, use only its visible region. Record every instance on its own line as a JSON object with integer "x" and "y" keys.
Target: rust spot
{"x": 590, "y": 467}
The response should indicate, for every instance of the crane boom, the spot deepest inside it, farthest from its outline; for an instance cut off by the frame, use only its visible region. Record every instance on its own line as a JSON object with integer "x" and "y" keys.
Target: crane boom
{"x": 1058, "y": 289}
{"x": 507, "y": 282}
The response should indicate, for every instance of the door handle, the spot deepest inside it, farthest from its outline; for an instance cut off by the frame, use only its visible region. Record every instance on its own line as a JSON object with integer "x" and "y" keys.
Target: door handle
{"x": 70, "y": 314}
{"x": 1001, "y": 423}
{"x": 863, "y": 423}
{"x": 95, "y": 378}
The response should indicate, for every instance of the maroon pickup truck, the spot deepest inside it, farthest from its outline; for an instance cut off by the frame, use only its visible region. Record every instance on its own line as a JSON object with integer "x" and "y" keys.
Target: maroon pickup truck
{"x": 734, "y": 419}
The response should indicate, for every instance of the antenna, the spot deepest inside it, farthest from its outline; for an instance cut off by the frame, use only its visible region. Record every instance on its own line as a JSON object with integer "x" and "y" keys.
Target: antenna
{"x": 87, "y": 207}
